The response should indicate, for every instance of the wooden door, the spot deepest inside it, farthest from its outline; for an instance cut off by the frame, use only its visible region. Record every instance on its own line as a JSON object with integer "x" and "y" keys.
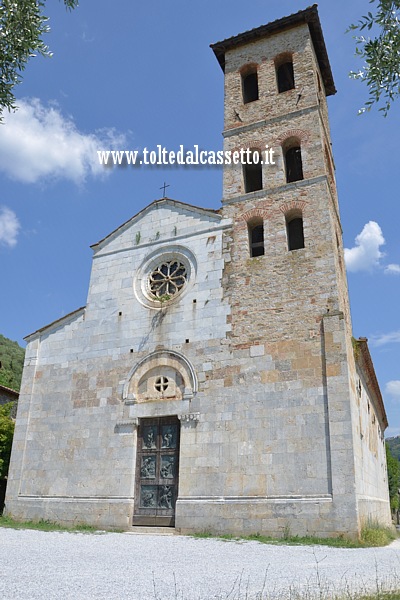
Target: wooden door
{"x": 157, "y": 472}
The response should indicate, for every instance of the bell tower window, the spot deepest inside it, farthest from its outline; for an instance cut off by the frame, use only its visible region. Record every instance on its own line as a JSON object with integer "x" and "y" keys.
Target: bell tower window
{"x": 252, "y": 173}
{"x": 285, "y": 76}
{"x": 256, "y": 238}
{"x": 295, "y": 231}
{"x": 250, "y": 85}
{"x": 293, "y": 160}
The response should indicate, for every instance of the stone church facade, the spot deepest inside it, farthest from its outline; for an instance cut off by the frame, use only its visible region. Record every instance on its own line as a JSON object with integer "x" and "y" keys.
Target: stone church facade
{"x": 211, "y": 382}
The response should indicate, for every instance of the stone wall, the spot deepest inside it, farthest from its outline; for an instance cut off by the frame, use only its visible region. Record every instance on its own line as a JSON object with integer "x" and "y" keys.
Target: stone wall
{"x": 75, "y": 439}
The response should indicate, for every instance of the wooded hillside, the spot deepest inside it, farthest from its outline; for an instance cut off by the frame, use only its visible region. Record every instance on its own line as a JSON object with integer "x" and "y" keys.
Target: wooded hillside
{"x": 394, "y": 445}
{"x": 11, "y": 363}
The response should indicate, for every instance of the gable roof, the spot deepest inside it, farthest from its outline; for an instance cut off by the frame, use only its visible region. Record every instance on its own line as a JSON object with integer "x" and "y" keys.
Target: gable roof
{"x": 60, "y": 321}
{"x": 9, "y": 391}
{"x": 308, "y": 16}
{"x": 204, "y": 212}
{"x": 364, "y": 361}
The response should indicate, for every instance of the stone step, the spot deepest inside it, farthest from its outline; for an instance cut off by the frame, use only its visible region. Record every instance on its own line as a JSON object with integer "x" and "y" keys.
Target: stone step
{"x": 138, "y": 530}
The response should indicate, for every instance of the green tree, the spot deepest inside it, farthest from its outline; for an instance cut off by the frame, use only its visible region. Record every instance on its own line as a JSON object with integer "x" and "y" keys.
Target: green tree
{"x": 381, "y": 54}
{"x": 393, "y": 479}
{"x": 11, "y": 363}
{"x": 6, "y": 437}
{"x": 22, "y": 26}
{"x": 394, "y": 446}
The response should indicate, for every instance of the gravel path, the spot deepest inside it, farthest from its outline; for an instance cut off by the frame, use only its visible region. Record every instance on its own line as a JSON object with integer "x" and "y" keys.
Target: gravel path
{"x": 42, "y": 565}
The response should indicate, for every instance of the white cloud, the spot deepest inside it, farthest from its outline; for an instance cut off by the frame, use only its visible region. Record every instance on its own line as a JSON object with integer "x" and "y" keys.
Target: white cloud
{"x": 365, "y": 255}
{"x": 9, "y": 227}
{"x": 392, "y": 269}
{"x": 386, "y": 338}
{"x": 39, "y": 142}
{"x": 392, "y": 388}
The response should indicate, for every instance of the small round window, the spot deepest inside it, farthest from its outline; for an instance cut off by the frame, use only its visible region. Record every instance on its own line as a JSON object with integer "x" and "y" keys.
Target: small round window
{"x": 161, "y": 384}
{"x": 167, "y": 279}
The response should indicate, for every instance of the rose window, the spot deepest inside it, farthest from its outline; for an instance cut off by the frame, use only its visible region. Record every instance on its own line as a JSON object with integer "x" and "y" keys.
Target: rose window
{"x": 167, "y": 279}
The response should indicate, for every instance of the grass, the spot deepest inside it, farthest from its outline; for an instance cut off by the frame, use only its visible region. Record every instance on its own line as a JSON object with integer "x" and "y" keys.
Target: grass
{"x": 295, "y": 540}
{"x": 381, "y": 596}
{"x": 43, "y": 525}
{"x": 372, "y": 535}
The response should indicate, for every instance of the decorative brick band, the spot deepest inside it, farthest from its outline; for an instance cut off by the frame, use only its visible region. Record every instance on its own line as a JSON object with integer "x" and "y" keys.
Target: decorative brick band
{"x": 282, "y": 57}
{"x": 300, "y": 134}
{"x": 293, "y": 205}
{"x": 252, "y": 145}
{"x": 251, "y": 67}
{"x": 254, "y": 212}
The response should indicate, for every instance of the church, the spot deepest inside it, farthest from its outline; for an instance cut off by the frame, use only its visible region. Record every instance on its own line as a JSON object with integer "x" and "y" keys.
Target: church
{"x": 211, "y": 383}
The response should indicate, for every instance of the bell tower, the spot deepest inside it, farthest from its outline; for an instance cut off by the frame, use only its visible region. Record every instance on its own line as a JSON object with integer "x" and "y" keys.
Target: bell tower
{"x": 285, "y": 277}
{"x": 286, "y": 246}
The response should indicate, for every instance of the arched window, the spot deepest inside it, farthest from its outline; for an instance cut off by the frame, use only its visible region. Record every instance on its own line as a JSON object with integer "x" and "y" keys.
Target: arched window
{"x": 295, "y": 231}
{"x": 252, "y": 173}
{"x": 293, "y": 162}
{"x": 256, "y": 238}
{"x": 285, "y": 76}
{"x": 250, "y": 85}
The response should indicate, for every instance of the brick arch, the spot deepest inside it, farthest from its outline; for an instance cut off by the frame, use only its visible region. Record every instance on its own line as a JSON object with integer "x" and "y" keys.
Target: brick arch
{"x": 293, "y": 205}
{"x": 250, "y": 67}
{"x": 301, "y": 134}
{"x": 253, "y": 145}
{"x": 254, "y": 213}
{"x": 283, "y": 57}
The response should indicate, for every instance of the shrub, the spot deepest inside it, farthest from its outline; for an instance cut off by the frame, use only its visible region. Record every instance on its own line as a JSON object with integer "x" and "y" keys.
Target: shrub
{"x": 6, "y": 437}
{"x": 373, "y": 534}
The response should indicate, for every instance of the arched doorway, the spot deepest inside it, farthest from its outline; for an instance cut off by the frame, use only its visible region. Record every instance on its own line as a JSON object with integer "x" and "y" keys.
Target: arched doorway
{"x": 158, "y": 390}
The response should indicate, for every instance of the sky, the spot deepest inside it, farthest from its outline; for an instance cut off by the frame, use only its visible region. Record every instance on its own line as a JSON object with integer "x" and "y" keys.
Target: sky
{"x": 141, "y": 74}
